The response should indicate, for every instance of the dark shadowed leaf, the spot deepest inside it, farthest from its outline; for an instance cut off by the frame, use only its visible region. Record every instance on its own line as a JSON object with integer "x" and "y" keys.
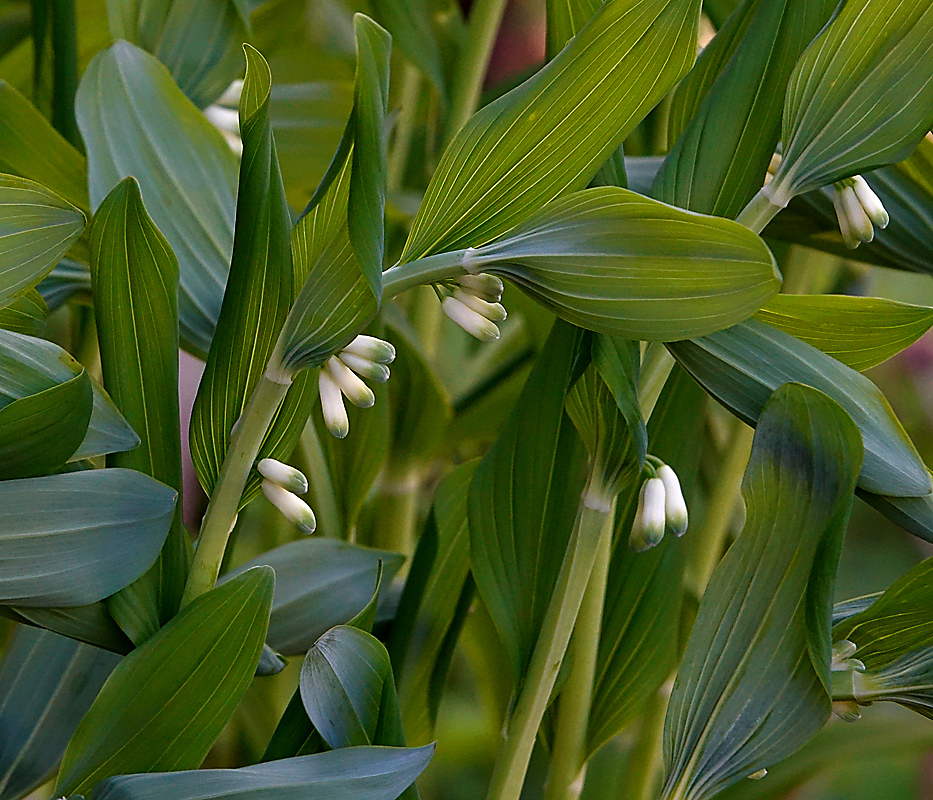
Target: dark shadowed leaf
{"x": 26, "y": 314}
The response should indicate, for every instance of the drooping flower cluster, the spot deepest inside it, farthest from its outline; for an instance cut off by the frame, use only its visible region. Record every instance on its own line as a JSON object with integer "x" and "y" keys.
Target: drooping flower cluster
{"x": 661, "y": 507}
{"x": 365, "y": 356}
{"x": 858, "y": 210}
{"x": 281, "y": 485}
{"x": 473, "y": 303}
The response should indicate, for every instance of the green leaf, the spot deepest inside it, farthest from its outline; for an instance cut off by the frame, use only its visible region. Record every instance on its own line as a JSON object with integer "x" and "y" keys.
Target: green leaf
{"x": 410, "y": 23}
{"x": 753, "y": 685}
{"x": 199, "y": 41}
{"x": 167, "y": 702}
{"x": 618, "y": 362}
{"x": 613, "y": 261}
{"x": 31, "y": 148}
{"x": 135, "y": 281}
{"x": 39, "y": 433}
{"x": 742, "y": 365}
{"x": 719, "y": 160}
{"x": 861, "y": 96}
{"x": 565, "y": 19}
{"x": 359, "y": 773}
{"x": 90, "y": 623}
{"x": 553, "y": 132}
{"x": 69, "y": 540}
{"x": 47, "y": 683}
{"x": 259, "y": 293}
{"x": 26, "y": 314}
{"x": 524, "y": 499}
{"x": 131, "y": 114}
{"x": 29, "y": 365}
{"x": 913, "y": 514}
{"x": 861, "y": 332}
{"x": 320, "y": 583}
{"x": 36, "y": 228}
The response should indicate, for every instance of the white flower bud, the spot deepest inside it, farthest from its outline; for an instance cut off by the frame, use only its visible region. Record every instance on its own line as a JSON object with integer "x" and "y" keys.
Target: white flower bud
{"x": 757, "y": 776}
{"x": 494, "y": 312}
{"x": 675, "y": 507}
{"x": 472, "y": 322}
{"x": 372, "y": 349}
{"x": 842, "y": 650}
{"x": 847, "y": 710}
{"x": 231, "y": 95}
{"x": 648, "y": 526}
{"x": 485, "y": 286}
{"x": 356, "y": 391}
{"x": 285, "y": 476}
{"x": 365, "y": 367}
{"x": 224, "y": 119}
{"x": 848, "y": 237}
{"x": 859, "y": 222}
{"x": 870, "y": 202}
{"x": 292, "y": 507}
{"x": 335, "y": 413}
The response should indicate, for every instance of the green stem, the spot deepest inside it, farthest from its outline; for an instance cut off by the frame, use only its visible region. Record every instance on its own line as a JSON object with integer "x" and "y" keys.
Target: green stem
{"x": 404, "y": 129}
{"x": 485, "y": 19}
{"x": 594, "y": 522}
{"x": 313, "y": 463}
{"x": 645, "y": 758}
{"x": 398, "y": 510}
{"x": 65, "y": 69}
{"x": 224, "y": 504}
{"x": 761, "y": 209}
{"x": 440, "y": 267}
{"x": 656, "y": 367}
{"x": 568, "y": 756}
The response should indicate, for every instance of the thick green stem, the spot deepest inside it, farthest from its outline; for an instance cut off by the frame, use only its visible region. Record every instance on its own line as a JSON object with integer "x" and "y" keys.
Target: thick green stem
{"x": 224, "y": 504}
{"x": 404, "y": 129}
{"x": 568, "y": 755}
{"x": 65, "y": 69}
{"x": 761, "y": 209}
{"x": 440, "y": 267}
{"x": 398, "y": 510}
{"x": 313, "y": 463}
{"x": 645, "y": 759}
{"x": 485, "y": 18}
{"x": 594, "y": 522}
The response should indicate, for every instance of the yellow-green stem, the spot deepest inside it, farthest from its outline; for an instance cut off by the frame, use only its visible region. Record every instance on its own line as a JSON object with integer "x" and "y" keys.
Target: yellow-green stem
{"x": 760, "y": 210}
{"x": 313, "y": 463}
{"x": 398, "y": 511}
{"x": 645, "y": 759}
{"x": 404, "y": 128}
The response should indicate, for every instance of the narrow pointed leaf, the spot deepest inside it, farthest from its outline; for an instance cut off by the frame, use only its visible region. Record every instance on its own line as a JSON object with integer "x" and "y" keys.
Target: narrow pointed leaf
{"x": 91, "y": 624}
{"x": 411, "y": 24}
{"x": 167, "y": 702}
{"x": 69, "y": 540}
{"x": 742, "y": 365}
{"x": 753, "y": 685}
{"x": 26, "y": 314}
{"x": 913, "y": 514}
{"x": 615, "y": 262}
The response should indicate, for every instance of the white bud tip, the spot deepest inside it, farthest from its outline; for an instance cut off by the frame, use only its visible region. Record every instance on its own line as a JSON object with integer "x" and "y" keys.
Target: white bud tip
{"x": 363, "y": 366}
{"x": 843, "y": 649}
{"x": 870, "y": 202}
{"x": 292, "y": 507}
{"x": 335, "y": 413}
{"x": 355, "y": 390}
{"x": 757, "y": 776}
{"x": 473, "y": 323}
{"x": 372, "y": 349}
{"x": 849, "y": 239}
{"x": 649, "y": 523}
{"x": 224, "y": 119}
{"x": 675, "y": 507}
{"x": 494, "y": 312}
{"x": 231, "y": 95}
{"x": 859, "y": 222}
{"x": 285, "y": 476}
{"x": 488, "y": 287}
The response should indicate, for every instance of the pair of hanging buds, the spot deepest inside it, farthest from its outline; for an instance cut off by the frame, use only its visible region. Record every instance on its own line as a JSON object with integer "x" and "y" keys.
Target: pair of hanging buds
{"x": 224, "y": 115}
{"x": 473, "y": 303}
{"x": 365, "y": 356}
{"x": 661, "y": 507}
{"x": 281, "y": 485}
{"x": 858, "y": 210}
{"x": 843, "y": 661}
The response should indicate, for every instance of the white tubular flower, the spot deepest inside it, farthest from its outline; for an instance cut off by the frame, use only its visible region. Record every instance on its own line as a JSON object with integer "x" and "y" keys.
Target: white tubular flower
{"x": 870, "y": 202}
{"x": 292, "y": 507}
{"x": 362, "y": 366}
{"x": 675, "y": 507}
{"x": 231, "y": 95}
{"x": 842, "y": 658}
{"x": 372, "y": 349}
{"x": 282, "y": 474}
{"x": 486, "y": 287}
{"x": 353, "y": 388}
{"x": 335, "y": 413}
{"x": 471, "y": 321}
{"x": 648, "y": 526}
{"x": 757, "y": 776}
{"x": 494, "y": 312}
{"x": 854, "y": 222}
{"x": 224, "y": 119}
{"x": 849, "y": 239}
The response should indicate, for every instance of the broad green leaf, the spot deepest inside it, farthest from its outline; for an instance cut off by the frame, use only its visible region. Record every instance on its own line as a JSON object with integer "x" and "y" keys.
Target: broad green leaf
{"x": 26, "y": 314}
{"x": 861, "y": 332}
{"x": 32, "y": 148}
{"x": 565, "y": 19}
{"x": 913, "y": 514}
{"x": 719, "y": 10}
{"x": 29, "y": 365}
{"x": 411, "y": 25}
{"x": 136, "y": 121}
{"x": 66, "y": 279}
{"x": 524, "y": 498}
{"x": 47, "y": 683}
{"x": 618, "y": 362}
{"x": 259, "y": 293}
{"x": 428, "y": 612}
{"x": 616, "y": 262}
{"x": 719, "y": 160}
{"x": 199, "y": 41}
{"x": 640, "y": 631}
{"x": 358, "y": 773}
{"x": 753, "y": 685}
{"x": 69, "y": 540}
{"x": 743, "y": 365}
{"x": 166, "y": 703}
{"x": 319, "y": 583}
{"x": 553, "y": 132}
{"x": 135, "y": 281}
{"x": 36, "y": 229}
{"x": 39, "y": 433}
{"x": 861, "y": 96}
{"x": 91, "y": 624}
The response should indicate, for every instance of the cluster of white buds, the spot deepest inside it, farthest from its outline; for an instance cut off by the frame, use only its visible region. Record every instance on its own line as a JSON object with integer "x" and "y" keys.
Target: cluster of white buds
{"x": 281, "y": 485}
{"x": 340, "y": 376}
{"x": 224, "y": 115}
{"x": 858, "y": 210}
{"x": 473, "y": 303}
{"x": 843, "y": 661}
{"x": 661, "y": 507}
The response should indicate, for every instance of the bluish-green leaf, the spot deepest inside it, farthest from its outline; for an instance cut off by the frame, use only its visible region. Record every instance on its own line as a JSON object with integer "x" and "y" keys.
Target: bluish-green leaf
{"x": 26, "y": 314}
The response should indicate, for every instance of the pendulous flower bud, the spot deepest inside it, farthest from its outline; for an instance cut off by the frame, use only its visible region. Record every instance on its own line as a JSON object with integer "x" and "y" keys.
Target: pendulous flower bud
{"x": 364, "y": 367}
{"x": 372, "y": 349}
{"x": 282, "y": 474}
{"x": 675, "y": 507}
{"x": 870, "y": 202}
{"x": 494, "y": 312}
{"x": 648, "y": 526}
{"x": 471, "y": 321}
{"x": 292, "y": 507}
{"x": 335, "y": 413}
{"x": 482, "y": 285}
{"x": 355, "y": 390}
